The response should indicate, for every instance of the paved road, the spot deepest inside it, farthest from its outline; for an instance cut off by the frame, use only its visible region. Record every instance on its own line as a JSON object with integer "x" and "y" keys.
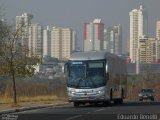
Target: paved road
{"x": 134, "y": 110}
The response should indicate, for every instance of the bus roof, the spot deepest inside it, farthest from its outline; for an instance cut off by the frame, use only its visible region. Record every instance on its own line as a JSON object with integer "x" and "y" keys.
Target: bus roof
{"x": 90, "y": 55}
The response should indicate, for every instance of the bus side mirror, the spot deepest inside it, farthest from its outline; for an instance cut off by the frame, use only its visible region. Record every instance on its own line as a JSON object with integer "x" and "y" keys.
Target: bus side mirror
{"x": 65, "y": 68}
{"x": 106, "y": 68}
{"x": 107, "y": 74}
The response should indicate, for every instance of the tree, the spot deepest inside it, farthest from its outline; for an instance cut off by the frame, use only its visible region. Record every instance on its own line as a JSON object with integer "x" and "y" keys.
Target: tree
{"x": 13, "y": 59}
{"x": 50, "y": 59}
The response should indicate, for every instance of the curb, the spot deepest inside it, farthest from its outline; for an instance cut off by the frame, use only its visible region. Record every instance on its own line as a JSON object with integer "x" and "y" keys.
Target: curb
{"x": 29, "y": 108}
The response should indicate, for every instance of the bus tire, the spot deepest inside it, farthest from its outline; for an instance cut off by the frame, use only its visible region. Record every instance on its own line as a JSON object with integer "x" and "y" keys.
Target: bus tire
{"x": 122, "y": 93}
{"x": 111, "y": 95}
{"x": 76, "y": 104}
{"x": 106, "y": 103}
{"x": 118, "y": 101}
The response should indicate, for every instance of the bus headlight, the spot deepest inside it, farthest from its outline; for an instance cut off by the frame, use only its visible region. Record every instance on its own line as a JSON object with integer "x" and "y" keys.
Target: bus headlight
{"x": 72, "y": 92}
{"x": 100, "y": 91}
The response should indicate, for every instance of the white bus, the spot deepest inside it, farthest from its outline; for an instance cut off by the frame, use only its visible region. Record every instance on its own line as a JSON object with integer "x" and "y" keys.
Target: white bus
{"x": 95, "y": 77}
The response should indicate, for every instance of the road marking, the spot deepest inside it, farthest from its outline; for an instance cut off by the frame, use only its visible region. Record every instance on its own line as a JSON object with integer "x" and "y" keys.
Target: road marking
{"x": 74, "y": 117}
{"x": 98, "y": 110}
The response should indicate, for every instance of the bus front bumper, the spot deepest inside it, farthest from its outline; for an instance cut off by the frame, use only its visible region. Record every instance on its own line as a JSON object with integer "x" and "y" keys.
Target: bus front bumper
{"x": 88, "y": 95}
{"x": 101, "y": 98}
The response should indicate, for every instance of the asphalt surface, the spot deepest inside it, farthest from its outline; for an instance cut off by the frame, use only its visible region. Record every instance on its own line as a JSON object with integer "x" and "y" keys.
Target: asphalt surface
{"x": 127, "y": 110}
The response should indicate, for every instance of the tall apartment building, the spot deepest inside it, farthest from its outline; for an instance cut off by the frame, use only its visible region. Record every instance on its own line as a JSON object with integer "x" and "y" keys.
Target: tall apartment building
{"x": 138, "y": 27}
{"x": 158, "y": 42}
{"x": 35, "y": 40}
{"x": 22, "y": 25}
{"x": 105, "y": 39}
{"x": 93, "y": 35}
{"x": 158, "y": 30}
{"x": 2, "y": 24}
{"x": 158, "y": 50}
{"x": 47, "y": 42}
{"x": 148, "y": 50}
{"x": 74, "y": 41}
{"x": 113, "y": 38}
{"x": 61, "y": 42}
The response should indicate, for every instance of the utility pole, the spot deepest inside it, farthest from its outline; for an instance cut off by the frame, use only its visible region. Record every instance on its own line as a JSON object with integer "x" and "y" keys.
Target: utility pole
{"x": 138, "y": 62}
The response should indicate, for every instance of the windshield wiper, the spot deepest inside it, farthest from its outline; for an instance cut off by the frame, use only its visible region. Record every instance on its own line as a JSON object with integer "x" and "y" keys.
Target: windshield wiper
{"x": 80, "y": 79}
{"x": 86, "y": 81}
{"x": 92, "y": 82}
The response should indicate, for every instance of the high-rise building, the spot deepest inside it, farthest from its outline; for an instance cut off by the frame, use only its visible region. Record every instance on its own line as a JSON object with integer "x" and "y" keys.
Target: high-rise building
{"x": 61, "y": 42}
{"x": 2, "y": 24}
{"x": 35, "y": 40}
{"x": 113, "y": 38}
{"x": 158, "y": 50}
{"x": 158, "y": 30}
{"x": 22, "y": 27}
{"x": 158, "y": 40}
{"x": 66, "y": 43}
{"x": 148, "y": 50}
{"x": 56, "y": 43}
{"x": 47, "y": 42}
{"x": 74, "y": 41}
{"x": 93, "y": 35}
{"x": 138, "y": 27}
{"x": 105, "y": 39}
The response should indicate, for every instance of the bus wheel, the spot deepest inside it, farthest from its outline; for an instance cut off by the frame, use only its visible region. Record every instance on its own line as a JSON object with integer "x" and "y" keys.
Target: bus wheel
{"x": 118, "y": 101}
{"x": 111, "y": 95}
{"x": 106, "y": 103}
{"x": 76, "y": 104}
{"x": 121, "y": 101}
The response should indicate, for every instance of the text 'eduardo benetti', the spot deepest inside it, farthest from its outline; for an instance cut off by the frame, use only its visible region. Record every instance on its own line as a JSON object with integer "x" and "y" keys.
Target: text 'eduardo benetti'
{"x": 137, "y": 117}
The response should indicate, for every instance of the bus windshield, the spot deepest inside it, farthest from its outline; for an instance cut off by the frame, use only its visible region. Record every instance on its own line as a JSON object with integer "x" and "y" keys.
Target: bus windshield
{"x": 87, "y": 75}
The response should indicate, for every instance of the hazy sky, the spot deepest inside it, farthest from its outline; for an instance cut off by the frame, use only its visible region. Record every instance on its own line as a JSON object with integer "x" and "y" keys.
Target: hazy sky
{"x": 73, "y": 13}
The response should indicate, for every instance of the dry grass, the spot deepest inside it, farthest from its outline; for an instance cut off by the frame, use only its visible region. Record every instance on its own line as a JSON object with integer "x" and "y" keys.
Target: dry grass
{"x": 39, "y": 99}
{"x": 5, "y": 100}
{"x": 46, "y": 99}
{"x": 33, "y": 93}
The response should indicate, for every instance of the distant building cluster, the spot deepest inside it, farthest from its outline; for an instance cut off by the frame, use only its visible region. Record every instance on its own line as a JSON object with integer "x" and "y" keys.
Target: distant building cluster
{"x": 143, "y": 49}
{"x": 97, "y": 37}
{"x": 55, "y": 42}
{"x": 148, "y": 50}
{"x": 113, "y": 39}
{"x": 60, "y": 42}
